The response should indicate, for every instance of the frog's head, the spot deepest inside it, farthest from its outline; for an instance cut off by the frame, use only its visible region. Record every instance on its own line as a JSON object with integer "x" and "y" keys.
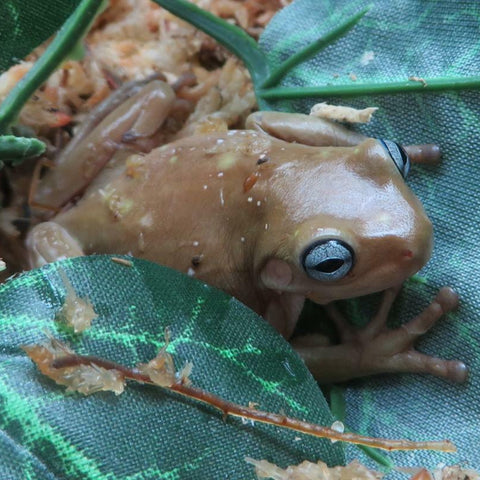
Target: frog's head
{"x": 344, "y": 224}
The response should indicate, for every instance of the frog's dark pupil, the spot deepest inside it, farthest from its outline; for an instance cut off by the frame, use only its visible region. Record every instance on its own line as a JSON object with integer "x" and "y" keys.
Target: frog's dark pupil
{"x": 329, "y": 266}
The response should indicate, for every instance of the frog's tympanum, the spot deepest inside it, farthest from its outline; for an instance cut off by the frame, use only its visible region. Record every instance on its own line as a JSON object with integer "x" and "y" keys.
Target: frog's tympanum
{"x": 292, "y": 208}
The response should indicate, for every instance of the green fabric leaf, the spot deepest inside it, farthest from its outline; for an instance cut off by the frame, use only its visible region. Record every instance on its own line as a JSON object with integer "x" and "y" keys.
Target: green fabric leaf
{"x": 430, "y": 39}
{"x": 26, "y": 24}
{"x": 145, "y": 432}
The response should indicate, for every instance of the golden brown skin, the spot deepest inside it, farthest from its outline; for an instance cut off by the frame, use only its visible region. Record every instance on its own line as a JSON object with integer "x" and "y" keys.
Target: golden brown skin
{"x": 238, "y": 209}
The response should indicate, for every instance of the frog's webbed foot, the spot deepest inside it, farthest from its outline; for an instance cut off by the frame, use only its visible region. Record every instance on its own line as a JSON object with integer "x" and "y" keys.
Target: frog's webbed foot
{"x": 376, "y": 349}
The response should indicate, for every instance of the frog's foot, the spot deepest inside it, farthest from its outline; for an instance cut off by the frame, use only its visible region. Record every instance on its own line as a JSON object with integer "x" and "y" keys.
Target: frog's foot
{"x": 375, "y": 349}
{"x": 48, "y": 242}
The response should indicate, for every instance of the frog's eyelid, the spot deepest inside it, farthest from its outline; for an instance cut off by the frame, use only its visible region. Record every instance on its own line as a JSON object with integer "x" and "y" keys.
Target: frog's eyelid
{"x": 398, "y": 155}
{"x": 327, "y": 260}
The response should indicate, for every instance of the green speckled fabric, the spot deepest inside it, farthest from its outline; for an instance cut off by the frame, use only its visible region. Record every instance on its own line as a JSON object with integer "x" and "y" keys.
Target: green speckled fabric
{"x": 434, "y": 38}
{"x": 146, "y": 433}
{"x": 26, "y": 24}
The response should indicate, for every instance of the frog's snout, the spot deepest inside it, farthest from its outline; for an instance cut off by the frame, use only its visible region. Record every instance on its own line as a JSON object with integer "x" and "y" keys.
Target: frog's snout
{"x": 418, "y": 249}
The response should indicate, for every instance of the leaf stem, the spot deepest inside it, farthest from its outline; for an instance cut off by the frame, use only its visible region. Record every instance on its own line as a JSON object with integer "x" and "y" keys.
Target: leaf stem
{"x": 230, "y": 36}
{"x": 387, "y": 88}
{"x": 231, "y": 409}
{"x": 313, "y": 48}
{"x": 60, "y": 47}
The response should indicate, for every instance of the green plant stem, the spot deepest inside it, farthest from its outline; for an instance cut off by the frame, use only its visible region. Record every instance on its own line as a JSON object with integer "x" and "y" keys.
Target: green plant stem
{"x": 63, "y": 43}
{"x": 387, "y": 88}
{"x": 230, "y": 36}
{"x": 12, "y": 147}
{"x": 313, "y": 49}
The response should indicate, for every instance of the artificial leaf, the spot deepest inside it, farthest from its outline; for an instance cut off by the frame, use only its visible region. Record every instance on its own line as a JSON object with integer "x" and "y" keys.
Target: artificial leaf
{"x": 392, "y": 42}
{"x": 146, "y": 432}
{"x": 25, "y": 25}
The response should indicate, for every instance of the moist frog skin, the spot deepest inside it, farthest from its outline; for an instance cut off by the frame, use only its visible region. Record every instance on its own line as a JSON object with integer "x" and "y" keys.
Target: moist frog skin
{"x": 291, "y": 208}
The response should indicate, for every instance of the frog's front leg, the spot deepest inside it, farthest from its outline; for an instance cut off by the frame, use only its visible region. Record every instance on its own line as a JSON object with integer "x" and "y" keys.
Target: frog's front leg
{"x": 304, "y": 129}
{"x": 140, "y": 116}
{"x": 376, "y": 349}
{"x": 48, "y": 242}
{"x": 314, "y": 131}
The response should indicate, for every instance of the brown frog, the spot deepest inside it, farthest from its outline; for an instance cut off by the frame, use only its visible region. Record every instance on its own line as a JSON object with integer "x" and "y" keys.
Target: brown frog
{"x": 292, "y": 208}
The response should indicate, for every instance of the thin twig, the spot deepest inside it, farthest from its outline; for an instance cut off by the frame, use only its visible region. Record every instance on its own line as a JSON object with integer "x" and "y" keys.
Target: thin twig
{"x": 231, "y": 409}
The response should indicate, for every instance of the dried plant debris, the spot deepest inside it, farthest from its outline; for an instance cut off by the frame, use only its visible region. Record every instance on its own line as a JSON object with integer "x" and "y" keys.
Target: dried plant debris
{"x": 353, "y": 471}
{"x": 76, "y": 313}
{"x": 122, "y": 261}
{"x": 86, "y": 379}
{"x": 87, "y": 374}
{"x": 161, "y": 369}
{"x": 313, "y": 471}
{"x": 421, "y": 80}
{"x": 342, "y": 114}
{"x": 445, "y": 472}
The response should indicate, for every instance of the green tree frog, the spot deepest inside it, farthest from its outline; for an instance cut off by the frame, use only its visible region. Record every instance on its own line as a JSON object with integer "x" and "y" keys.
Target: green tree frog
{"x": 291, "y": 208}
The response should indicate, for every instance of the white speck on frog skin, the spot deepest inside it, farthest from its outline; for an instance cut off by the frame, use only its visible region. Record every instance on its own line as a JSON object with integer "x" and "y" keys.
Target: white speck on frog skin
{"x": 250, "y": 199}
{"x": 146, "y": 220}
{"x": 222, "y": 200}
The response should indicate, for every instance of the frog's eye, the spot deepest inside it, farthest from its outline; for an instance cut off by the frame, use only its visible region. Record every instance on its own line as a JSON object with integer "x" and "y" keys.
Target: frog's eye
{"x": 327, "y": 260}
{"x": 399, "y": 156}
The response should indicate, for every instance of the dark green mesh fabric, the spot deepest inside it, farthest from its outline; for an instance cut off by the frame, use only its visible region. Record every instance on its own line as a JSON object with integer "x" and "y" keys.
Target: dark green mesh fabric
{"x": 146, "y": 433}
{"x": 25, "y": 25}
{"x": 428, "y": 39}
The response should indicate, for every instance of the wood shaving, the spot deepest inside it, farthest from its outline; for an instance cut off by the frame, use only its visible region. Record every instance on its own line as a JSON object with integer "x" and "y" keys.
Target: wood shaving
{"x": 161, "y": 369}
{"x": 455, "y": 472}
{"x": 86, "y": 379}
{"x": 418, "y": 79}
{"x": 76, "y": 313}
{"x": 367, "y": 57}
{"x": 342, "y": 114}
{"x": 313, "y": 471}
{"x": 122, "y": 261}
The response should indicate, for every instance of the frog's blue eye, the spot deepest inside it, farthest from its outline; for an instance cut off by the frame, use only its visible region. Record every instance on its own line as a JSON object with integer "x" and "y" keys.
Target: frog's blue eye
{"x": 399, "y": 156}
{"x": 327, "y": 260}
